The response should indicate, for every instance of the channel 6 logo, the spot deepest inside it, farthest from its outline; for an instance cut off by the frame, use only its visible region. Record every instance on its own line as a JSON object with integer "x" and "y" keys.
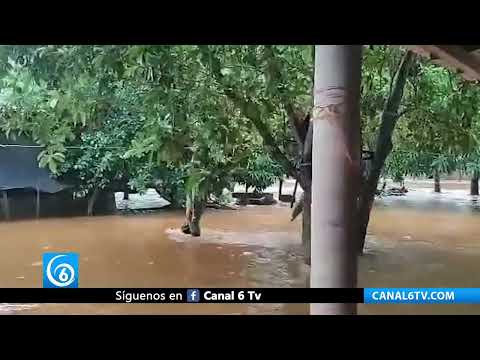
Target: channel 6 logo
{"x": 60, "y": 270}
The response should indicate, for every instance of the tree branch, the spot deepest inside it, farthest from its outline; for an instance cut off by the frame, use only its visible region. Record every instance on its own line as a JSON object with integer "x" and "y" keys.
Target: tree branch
{"x": 390, "y": 114}
{"x": 296, "y": 117}
{"x": 248, "y": 108}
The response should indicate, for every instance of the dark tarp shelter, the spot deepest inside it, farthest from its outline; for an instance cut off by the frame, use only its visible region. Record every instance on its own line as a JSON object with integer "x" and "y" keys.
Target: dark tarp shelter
{"x": 19, "y": 167}
{"x": 24, "y": 186}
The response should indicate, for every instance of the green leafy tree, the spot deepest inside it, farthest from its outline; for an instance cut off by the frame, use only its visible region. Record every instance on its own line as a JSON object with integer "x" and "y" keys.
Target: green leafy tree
{"x": 439, "y": 129}
{"x": 258, "y": 170}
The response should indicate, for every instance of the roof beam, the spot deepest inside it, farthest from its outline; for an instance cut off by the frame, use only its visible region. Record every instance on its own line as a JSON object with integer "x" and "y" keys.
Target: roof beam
{"x": 453, "y": 56}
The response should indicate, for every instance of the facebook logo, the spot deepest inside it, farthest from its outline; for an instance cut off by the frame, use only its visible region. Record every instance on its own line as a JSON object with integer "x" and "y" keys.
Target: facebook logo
{"x": 193, "y": 295}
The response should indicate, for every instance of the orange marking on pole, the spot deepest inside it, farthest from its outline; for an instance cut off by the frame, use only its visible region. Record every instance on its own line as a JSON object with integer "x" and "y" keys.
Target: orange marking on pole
{"x": 330, "y": 105}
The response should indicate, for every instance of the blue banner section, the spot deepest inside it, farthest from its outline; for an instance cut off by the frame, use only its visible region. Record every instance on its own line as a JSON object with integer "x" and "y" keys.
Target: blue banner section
{"x": 422, "y": 295}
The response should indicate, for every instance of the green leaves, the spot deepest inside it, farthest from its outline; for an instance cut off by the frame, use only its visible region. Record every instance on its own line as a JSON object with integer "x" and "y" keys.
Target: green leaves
{"x": 50, "y": 159}
{"x": 258, "y": 170}
{"x": 443, "y": 164}
{"x": 53, "y": 103}
{"x": 226, "y": 71}
{"x": 128, "y": 111}
{"x": 440, "y": 123}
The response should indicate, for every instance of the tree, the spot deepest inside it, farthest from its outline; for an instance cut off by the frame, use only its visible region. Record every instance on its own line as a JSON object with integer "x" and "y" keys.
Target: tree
{"x": 470, "y": 163}
{"x": 257, "y": 170}
{"x": 85, "y": 120}
{"x": 394, "y": 88}
{"x": 267, "y": 84}
{"x": 205, "y": 134}
{"x": 138, "y": 114}
{"x": 466, "y": 109}
{"x": 202, "y": 113}
{"x": 439, "y": 130}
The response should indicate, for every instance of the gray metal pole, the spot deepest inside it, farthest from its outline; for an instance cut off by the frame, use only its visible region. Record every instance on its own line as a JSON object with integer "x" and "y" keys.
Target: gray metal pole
{"x": 335, "y": 171}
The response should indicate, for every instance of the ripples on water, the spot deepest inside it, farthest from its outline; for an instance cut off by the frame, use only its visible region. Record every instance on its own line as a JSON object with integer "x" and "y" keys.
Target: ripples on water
{"x": 419, "y": 240}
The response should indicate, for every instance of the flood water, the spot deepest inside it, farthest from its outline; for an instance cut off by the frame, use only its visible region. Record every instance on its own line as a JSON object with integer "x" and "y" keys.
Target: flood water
{"x": 418, "y": 240}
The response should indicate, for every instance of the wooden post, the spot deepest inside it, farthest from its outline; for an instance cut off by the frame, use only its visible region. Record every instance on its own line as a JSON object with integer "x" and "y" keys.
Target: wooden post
{"x": 280, "y": 189}
{"x": 5, "y": 205}
{"x": 335, "y": 171}
{"x": 37, "y": 203}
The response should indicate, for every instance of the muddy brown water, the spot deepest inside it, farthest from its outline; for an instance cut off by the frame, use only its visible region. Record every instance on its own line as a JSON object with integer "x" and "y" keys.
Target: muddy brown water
{"x": 419, "y": 240}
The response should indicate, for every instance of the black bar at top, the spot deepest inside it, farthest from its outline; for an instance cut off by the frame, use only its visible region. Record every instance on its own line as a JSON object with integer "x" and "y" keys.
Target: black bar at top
{"x": 110, "y": 295}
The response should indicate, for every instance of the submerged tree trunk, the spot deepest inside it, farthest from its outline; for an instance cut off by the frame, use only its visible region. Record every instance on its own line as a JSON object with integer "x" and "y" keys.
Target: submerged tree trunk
{"x": 436, "y": 180}
{"x": 306, "y": 180}
{"x": 304, "y": 204}
{"x": 383, "y": 148}
{"x": 256, "y": 113}
{"x": 335, "y": 171}
{"x": 194, "y": 210}
{"x": 474, "y": 184}
{"x": 294, "y": 197}
{"x": 91, "y": 201}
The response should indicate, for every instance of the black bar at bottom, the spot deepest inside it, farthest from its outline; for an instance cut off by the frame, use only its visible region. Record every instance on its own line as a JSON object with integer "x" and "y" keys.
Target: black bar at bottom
{"x": 181, "y": 295}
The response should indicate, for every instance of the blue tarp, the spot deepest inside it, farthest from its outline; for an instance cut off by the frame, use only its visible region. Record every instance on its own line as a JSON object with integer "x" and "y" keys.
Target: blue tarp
{"x": 19, "y": 168}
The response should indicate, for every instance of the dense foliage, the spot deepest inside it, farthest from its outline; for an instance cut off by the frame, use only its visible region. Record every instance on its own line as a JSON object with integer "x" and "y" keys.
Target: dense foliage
{"x": 439, "y": 128}
{"x": 143, "y": 115}
{"x": 193, "y": 120}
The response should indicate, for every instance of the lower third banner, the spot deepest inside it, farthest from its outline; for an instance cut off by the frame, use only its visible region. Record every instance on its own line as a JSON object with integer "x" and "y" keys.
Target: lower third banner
{"x": 245, "y": 295}
{"x": 180, "y": 295}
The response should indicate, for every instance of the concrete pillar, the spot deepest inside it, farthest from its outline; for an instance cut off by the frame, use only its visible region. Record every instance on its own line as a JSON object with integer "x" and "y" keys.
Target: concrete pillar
{"x": 335, "y": 171}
